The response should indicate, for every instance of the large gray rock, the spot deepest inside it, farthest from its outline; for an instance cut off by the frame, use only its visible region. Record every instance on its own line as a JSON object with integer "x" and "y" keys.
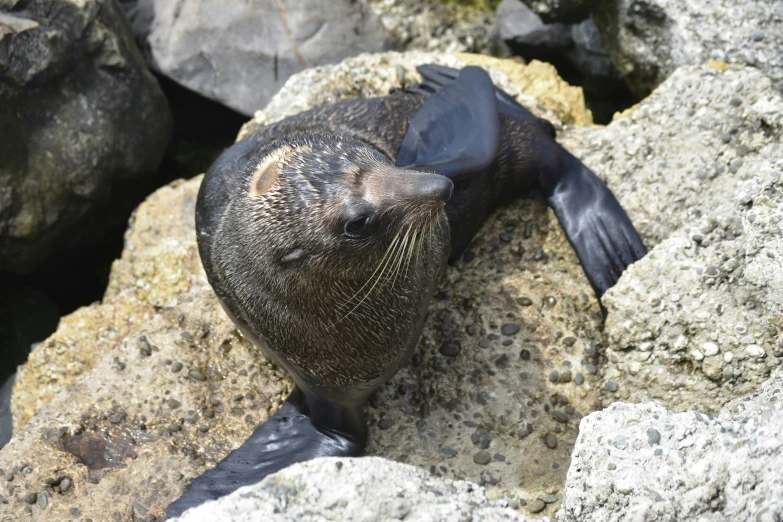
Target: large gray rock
{"x": 241, "y": 53}
{"x": 641, "y": 462}
{"x": 361, "y": 490}
{"x": 81, "y": 119}
{"x": 696, "y": 322}
{"x": 649, "y": 39}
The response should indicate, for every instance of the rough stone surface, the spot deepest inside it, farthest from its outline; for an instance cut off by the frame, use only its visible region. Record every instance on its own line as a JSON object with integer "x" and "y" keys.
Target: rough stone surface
{"x": 438, "y": 26}
{"x": 649, "y": 39}
{"x": 536, "y": 85}
{"x": 241, "y": 53}
{"x": 361, "y": 490}
{"x": 82, "y": 123}
{"x": 519, "y": 31}
{"x": 686, "y": 325}
{"x": 159, "y": 262}
{"x": 641, "y": 462}
{"x": 129, "y": 434}
{"x": 493, "y": 396}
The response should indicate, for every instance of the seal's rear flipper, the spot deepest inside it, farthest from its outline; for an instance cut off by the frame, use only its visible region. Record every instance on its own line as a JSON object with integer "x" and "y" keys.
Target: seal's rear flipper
{"x": 456, "y": 131}
{"x": 596, "y": 225}
{"x": 287, "y": 437}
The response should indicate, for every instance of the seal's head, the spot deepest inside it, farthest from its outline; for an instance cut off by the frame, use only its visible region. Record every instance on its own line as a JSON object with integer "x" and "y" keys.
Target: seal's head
{"x": 326, "y": 254}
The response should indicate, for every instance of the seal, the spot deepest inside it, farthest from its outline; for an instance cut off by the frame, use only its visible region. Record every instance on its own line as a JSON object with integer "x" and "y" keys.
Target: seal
{"x": 323, "y": 236}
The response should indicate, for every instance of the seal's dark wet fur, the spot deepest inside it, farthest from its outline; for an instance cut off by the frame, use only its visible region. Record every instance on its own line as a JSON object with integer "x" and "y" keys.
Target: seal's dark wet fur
{"x": 323, "y": 235}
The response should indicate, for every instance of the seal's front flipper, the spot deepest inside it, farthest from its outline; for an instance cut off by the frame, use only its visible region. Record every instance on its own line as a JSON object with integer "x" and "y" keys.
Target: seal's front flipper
{"x": 596, "y": 225}
{"x": 305, "y": 427}
{"x": 456, "y": 130}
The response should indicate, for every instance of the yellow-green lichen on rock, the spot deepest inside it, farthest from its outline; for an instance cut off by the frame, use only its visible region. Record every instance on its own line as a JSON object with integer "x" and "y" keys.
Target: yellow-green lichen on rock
{"x": 541, "y": 81}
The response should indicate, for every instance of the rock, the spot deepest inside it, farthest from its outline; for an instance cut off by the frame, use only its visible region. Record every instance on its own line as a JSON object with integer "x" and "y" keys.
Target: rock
{"x": 575, "y": 49}
{"x": 158, "y": 310}
{"x": 700, "y": 468}
{"x": 649, "y": 39}
{"x": 589, "y": 57}
{"x": 82, "y": 125}
{"x": 159, "y": 262}
{"x": 669, "y": 162}
{"x": 434, "y": 26}
{"x": 110, "y": 435}
{"x": 536, "y": 84}
{"x": 540, "y": 80}
{"x": 364, "y": 489}
{"x": 240, "y": 53}
{"x": 762, "y": 220}
{"x": 564, "y": 11}
{"x": 523, "y": 31}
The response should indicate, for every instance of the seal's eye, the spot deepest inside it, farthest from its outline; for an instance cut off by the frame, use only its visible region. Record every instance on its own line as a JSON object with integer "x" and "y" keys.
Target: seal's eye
{"x": 359, "y": 226}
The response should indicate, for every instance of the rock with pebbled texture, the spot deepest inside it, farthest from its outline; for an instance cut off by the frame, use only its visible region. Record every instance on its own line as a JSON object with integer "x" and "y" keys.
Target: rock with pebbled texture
{"x": 695, "y": 323}
{"x": 361, "y": 490}
{"x": 642, "y": 462}
{"x": 649, "y": 39}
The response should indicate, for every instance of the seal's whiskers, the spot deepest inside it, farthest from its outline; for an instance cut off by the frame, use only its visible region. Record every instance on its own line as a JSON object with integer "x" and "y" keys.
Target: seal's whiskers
{"x": 383, "y": 265}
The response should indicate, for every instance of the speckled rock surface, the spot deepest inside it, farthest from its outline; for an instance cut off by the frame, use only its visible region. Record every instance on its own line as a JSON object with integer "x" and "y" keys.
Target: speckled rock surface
{"x": 169, "y": 400}
{"x": 83, "y": 126}
{"x": 686, "y": 325}
{"x": 436, "y": 25}
{"x": 361, "y": 490}
{"x": 641, "y": 462}
{"x": 649, "y": 39}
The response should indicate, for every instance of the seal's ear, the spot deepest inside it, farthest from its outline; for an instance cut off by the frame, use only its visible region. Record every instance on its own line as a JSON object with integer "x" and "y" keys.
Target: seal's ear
{"x": 265, "y": 175}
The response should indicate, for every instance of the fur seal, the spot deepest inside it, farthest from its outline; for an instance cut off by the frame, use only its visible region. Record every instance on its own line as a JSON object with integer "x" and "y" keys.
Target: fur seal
{"x": 323, "y": 235}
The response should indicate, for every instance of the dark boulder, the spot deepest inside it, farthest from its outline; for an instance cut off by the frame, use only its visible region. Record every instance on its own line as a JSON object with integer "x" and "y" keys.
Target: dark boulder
{"x": 82, "y": 121}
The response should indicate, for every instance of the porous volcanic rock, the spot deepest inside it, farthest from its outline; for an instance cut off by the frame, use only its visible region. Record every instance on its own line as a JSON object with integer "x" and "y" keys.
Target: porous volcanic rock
{"x": 160, "y": 261}
{"x": 83, "y": 124}
{"x": 697, "y": 322}
{"x": 649, "y": 39}
{"x": 637, "y": 462}
{"x": 361, "y": 490}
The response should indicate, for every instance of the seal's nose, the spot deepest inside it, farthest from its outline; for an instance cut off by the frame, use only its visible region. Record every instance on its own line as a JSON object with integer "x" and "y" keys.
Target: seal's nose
{"x": 434, "y": 185}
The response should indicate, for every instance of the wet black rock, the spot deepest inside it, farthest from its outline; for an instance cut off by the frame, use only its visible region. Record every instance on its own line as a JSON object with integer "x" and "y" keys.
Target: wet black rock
{"x": 83, "y": 125}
